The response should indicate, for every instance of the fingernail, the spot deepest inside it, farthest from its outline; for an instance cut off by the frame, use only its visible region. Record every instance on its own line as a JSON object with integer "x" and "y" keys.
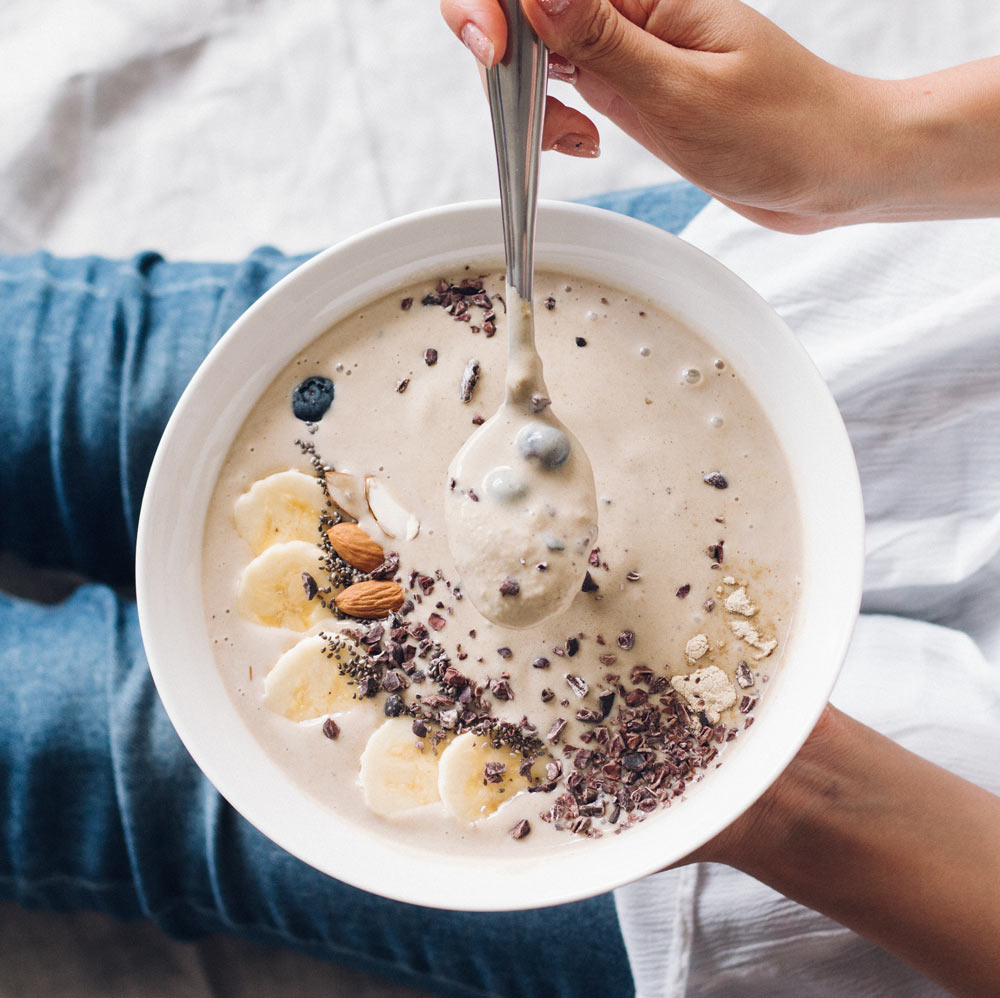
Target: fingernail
{"x": 552, "y": 7}
{"x": 561, "y": 69}
{"x": 577, "y": 145}
{"x": 477, "y": 43}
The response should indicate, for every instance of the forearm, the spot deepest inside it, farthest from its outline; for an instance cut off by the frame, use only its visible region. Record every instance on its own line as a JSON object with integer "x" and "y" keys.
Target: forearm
{"x": 886, "y": 843}
{"x": 940, "y": 152}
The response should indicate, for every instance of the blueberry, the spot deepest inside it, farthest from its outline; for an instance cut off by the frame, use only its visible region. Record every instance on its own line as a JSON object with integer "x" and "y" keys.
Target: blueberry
{"x": 548, "y": 443}
{"x": 312, "y": 398}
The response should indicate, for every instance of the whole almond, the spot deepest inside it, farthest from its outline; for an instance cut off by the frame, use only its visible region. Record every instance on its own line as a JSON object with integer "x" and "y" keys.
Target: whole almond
{"x": 355, "y": 546}
{"x": 369, "y": 599}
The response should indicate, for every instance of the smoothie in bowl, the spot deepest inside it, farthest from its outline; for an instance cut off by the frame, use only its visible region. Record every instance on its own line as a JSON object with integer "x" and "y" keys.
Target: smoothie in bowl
{"x": 365, "y": 713}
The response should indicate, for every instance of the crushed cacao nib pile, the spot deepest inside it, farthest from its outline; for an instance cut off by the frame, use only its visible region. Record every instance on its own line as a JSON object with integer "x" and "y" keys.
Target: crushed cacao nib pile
{"x": 640, "y": 749}
{"x": 459, "y": 300}
{"x": 397, "y": 656}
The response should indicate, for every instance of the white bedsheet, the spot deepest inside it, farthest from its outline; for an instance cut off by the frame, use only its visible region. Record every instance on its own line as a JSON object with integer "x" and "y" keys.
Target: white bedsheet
{"x": 206, "y": 127}
{"x": 903, "y": 322}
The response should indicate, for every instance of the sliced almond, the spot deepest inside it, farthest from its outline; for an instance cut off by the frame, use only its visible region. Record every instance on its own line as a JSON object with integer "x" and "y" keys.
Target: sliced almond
{"x": 347, "y": 491}
{"x": 370, "y": 599}
{"x": 355, "y": 546}
{"x": 392, "y": 518}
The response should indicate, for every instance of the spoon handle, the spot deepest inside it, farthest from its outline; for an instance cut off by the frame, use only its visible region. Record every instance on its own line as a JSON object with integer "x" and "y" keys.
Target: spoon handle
{"x": 516, "y": 88}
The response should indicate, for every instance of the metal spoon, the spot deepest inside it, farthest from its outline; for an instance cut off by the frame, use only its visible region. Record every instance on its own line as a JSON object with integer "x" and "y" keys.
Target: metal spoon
{"x": 516, "y": 88}
{"x": 522, "y": 513}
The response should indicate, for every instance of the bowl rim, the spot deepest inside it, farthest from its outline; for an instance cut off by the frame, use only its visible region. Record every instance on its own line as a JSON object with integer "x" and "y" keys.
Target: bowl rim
{"x": 381, "y": 866}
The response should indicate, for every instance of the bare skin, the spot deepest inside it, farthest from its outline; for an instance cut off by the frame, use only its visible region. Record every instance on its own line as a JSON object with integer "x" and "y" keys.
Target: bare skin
{"x": 885, "y": 842}
{"x": 730, "y": 101}
{"x": 890, "y": 845}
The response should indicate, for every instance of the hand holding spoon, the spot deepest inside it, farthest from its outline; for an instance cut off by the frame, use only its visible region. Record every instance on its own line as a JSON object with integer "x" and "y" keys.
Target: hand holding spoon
{"x": 522, "y": 506}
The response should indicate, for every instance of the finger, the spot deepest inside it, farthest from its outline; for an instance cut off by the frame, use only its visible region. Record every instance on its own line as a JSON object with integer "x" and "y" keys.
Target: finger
{"x": 701, "y": 25}
{"x": 569, "y": 131}
{"x": 607, "y": 101}
{"x": 596, "y": 36}
{"x": 480, "y": 25}
{"x": 565, "y": 129}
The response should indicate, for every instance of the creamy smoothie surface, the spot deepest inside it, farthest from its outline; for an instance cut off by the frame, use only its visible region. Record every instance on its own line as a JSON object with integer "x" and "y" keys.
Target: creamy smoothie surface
{"x": 431, "y": 692}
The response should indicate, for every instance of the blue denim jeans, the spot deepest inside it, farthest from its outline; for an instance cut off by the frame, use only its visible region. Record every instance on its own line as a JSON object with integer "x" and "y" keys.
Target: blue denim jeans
{"x": 101, "y": 806}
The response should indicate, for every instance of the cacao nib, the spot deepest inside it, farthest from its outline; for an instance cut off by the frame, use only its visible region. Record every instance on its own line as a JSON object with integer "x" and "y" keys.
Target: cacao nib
{"x": 555, "y": 732}
{"x": 521, "y": 829}
{"x": 470, "y": 378}
{"x": 394, "y": 705}
{"x": 493, "y": 772}
{"x": 606, "y": 698}
{"x": 501, "y": 689}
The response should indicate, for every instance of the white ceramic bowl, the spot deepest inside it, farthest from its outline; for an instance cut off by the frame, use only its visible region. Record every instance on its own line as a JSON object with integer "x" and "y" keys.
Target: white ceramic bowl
{"x": 579, "y": 240}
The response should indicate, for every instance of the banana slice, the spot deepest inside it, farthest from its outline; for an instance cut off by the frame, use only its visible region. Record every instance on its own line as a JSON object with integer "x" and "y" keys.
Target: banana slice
{"x": 475, "y": 779}
{"x": 306, "y": 681}
{"x": 397, "y": 775}
{"x": 271, "y": 590}
{"x": 282, "y": 507}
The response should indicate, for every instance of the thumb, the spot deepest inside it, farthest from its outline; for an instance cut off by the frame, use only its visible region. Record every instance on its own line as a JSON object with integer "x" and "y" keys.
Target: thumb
{"x": 596, "y": 36}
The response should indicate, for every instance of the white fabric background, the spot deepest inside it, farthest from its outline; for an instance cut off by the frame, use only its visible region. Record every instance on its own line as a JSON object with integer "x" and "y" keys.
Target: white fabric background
{"x": 203, "y": 128}
{"x": 903, "y": 322}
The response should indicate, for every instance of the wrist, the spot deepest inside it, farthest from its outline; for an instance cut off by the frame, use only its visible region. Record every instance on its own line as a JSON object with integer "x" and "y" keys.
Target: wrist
{"x": 859, "y": 158}
{"x": 938, "y": 145}
{"x": 795, "y": 801}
